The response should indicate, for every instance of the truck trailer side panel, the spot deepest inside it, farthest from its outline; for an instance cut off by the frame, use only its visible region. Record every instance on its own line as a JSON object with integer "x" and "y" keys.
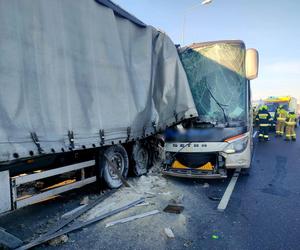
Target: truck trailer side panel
{"x": 76, "y": 74}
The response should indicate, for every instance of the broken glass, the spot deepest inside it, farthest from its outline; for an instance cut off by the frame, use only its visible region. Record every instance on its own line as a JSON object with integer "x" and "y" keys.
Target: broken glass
{"x": 216, "y": 75}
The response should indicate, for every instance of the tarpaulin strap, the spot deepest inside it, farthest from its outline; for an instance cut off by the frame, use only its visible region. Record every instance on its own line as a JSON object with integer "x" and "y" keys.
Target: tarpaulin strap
{"x": 102, "y": 138}
{"x": 71, "y": 138}
{"x": 175, "y": 115}
{"x": 128, "y": 133}
{"x": 36, "y": 142}
{"x": 154, "y": 126}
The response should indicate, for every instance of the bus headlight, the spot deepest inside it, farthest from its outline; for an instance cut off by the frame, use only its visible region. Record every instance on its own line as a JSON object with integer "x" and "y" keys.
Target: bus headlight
{"x": 237, "y": 144}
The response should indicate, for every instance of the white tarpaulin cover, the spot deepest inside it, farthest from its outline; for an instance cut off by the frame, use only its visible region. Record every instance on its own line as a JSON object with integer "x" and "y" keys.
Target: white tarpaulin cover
{"x": 78, "y": 67}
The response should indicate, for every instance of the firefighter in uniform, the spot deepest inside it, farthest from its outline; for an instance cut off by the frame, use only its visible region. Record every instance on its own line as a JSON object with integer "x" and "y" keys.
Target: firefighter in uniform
{"x": 264, "y": 120}
{"x": 290, "y": 126}
{"x": 281, "y": 115}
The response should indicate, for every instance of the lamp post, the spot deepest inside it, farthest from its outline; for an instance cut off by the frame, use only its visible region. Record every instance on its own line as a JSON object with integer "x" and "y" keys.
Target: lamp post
{"x": 204, "y": 2}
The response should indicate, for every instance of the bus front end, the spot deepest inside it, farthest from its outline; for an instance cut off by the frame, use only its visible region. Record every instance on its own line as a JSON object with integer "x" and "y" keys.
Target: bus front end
{"x": 220, "y": 138}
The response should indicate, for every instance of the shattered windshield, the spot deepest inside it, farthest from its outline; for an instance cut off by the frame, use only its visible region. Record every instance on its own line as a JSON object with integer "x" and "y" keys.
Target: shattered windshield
{"x": 216, "y": 75}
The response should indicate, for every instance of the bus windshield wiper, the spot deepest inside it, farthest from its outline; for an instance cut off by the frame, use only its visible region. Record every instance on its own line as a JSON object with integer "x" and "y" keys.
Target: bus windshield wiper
{"x": 217, "y": 102}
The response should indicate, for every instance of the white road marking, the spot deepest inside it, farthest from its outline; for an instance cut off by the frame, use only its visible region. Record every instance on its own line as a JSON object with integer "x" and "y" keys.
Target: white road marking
{"x": 226, "y": 196}
{"x": 255, "y": 133}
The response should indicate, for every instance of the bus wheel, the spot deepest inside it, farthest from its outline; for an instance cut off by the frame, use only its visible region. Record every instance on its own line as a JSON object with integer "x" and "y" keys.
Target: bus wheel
{"x": 117, "y": 155}
{"x": 141, "y": 159}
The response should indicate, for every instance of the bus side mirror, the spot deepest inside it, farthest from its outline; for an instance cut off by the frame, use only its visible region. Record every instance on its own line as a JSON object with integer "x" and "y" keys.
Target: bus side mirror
{"x": 251, "y": 64}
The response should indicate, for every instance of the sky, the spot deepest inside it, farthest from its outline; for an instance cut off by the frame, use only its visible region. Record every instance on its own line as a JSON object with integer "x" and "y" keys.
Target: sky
{"x": 270, "y": 26}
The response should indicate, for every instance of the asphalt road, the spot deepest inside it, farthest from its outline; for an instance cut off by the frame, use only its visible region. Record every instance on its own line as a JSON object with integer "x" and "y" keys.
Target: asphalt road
{"x": 263, "y": 212}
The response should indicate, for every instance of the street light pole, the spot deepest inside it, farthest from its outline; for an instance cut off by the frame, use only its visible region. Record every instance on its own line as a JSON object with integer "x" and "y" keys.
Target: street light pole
{"x": 205, "y": 2}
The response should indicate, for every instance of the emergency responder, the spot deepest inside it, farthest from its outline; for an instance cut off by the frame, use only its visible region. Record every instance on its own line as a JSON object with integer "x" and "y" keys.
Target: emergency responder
{"x": 264, "y": 120}
{"x": 290, "y": 123}
{"x": 281, "y": 115}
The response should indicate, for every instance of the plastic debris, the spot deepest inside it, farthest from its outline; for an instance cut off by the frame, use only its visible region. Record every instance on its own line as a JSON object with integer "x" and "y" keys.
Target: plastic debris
{"x": 169, "y": 233}
{"x": 85, "y": 201}
{"x": 59, "y": 240}
{"x": 131, "y": 218}
{"x": 205, "y": 185}
{"x": 187, "y": 243}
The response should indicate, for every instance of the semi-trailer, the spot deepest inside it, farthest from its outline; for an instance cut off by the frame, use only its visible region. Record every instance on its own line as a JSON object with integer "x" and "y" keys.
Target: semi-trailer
{"x": 82, "y": 84}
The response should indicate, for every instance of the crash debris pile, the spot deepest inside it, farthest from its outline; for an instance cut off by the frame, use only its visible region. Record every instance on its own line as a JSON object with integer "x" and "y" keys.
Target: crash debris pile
{"x": 147, "y": 197}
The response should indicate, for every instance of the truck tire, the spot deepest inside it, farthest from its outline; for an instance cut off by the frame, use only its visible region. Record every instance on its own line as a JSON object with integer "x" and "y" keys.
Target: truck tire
{"x": 141, "y": 159}
{"x": 118, "y": 155}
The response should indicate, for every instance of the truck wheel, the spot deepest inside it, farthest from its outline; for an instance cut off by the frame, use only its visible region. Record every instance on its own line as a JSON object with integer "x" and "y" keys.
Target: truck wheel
{"x": 141, "y": 158}
{"x": 118, "y": 155}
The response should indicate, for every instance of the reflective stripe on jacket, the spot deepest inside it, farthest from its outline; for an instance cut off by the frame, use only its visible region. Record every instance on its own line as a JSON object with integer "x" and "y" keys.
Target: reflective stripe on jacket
{"x": 282, "y": 115}
{"x": 263, "y": 117}
{"x": 291, "y": 120}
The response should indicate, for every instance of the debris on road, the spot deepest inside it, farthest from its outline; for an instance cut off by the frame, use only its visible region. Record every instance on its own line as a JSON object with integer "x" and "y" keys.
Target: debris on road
{"x": 214, "y": 198}
{"x": 205, "y": 185}
{"x": 174, "y": 208}
{"x": 85, "y": 200}
{"x": 148, "y": 186}
{"x": 177, "y": 200}
{"x": 116, "y": 205}
{"x": 151, "y": 194}
{"x": 58, "y": 240}
{"x": 78, "y": 225}
{"x": 73, "y": 211}
{"x": 8, "y": 240}
{"x": 131, "y": 218}
{"x": 169, "y": 233}
{"x": 187, "y": 243}
{"x": 144, "y": 204}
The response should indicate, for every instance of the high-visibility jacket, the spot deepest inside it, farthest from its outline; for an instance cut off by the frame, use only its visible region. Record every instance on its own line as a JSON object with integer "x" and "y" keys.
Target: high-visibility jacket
{"x": 291, "y": 119}
{"x": 264, "y": 118}
{"x": 281, "y": 115}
